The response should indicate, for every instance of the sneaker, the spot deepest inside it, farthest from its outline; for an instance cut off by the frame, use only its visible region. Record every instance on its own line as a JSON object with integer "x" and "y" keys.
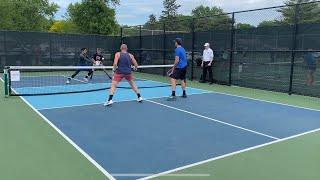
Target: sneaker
{"x": 184, "y": 96}
{"x": 140, "y": 100}
{"x": 171, "y": 98}
{"x": 86, "y": 79}
{"x": 108, "y": 103}
{"x": 68, "y": 81}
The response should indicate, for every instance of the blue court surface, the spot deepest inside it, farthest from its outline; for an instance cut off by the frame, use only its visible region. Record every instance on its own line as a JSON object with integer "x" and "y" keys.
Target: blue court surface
{"x": 159, "y": 135}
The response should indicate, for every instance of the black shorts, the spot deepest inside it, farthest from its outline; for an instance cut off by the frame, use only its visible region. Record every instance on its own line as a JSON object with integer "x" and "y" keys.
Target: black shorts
{"x": 179, "y": 74}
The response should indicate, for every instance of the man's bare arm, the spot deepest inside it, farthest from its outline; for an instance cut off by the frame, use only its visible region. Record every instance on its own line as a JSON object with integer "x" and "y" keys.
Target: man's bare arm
{"x": 134, "y": 61}
{"x": 115, "y": 61}
{"x": 176, "y": 61}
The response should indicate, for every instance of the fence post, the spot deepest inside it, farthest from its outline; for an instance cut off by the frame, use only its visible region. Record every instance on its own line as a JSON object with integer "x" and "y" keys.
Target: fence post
{"x": 6, "y": 80}
{"x": 193, "y": 49}
{"x": 5, "y": 47}
{"x": 121, "y": 35}
{"x": 231, "y": 49}
{"x": 140, "y": 43}
{"x": 50, "y": 49}
{"x": 294, "y": 44}
{"x": 164, "y": 48}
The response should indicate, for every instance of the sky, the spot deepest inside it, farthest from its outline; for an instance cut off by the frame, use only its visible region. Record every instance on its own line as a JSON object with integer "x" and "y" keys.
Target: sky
{"x": 136, "y": 12}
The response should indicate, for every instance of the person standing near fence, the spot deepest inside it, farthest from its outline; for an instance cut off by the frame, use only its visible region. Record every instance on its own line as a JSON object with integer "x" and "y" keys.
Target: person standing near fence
{"x": 310, "y": 60}
{"x": 207, "y": 60}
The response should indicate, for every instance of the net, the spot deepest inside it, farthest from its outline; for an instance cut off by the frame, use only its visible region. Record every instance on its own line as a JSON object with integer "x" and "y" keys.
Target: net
{"x": 50, "y": 80}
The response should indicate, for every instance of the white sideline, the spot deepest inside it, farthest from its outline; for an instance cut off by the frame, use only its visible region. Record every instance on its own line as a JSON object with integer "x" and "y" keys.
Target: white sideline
{"x": 68, "y": 140}
{"x": 128, "y": 100}
{"x": 169, "y": 175}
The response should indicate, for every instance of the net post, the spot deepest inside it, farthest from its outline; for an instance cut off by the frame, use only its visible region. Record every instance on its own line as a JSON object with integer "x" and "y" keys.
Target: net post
{"x": 6, "y": 81}
{"x": 193, "y": 49}
{"x": 164, "y": 48}
{"x": 231, "y": 49}
{"x": 294, "y": 45}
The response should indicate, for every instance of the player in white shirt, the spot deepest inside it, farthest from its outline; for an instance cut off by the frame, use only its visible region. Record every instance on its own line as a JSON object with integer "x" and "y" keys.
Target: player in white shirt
{"x": 207, "y": 60}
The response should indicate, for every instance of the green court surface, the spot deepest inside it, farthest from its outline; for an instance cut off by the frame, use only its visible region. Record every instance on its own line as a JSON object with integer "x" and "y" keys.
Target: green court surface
{"x": 31, "y": 149}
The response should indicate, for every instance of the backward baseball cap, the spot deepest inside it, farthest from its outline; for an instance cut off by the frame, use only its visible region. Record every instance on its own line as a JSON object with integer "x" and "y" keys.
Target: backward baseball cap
{"x": 178, "y": 40}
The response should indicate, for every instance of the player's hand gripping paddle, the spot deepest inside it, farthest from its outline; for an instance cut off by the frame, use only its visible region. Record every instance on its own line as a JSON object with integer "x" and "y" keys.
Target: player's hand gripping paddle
{"x": 170, "y": 72}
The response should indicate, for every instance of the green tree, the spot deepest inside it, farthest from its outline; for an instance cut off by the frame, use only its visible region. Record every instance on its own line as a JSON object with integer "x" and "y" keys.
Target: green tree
{"x": 269, "y": 23}
{"x": 207, "y": 18}
{"x": 63, "y": 26}
{"x": 169, "y": 14}
{"x": 170, "y": 8}
{"x": 94, "y": 16}
{"x": 152, "y": 23}
{"x": 182, "y": 23}
{"x": 244, "y": 26}
{"x": 130, "y": 30}
{"x": 308, "y": 13}
{"x": 27, "y": 15}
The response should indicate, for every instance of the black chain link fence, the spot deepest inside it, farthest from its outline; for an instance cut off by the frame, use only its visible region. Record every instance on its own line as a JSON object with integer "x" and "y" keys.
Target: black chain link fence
{"x": 49, "y": 49}
{"x": 274, "y": 48}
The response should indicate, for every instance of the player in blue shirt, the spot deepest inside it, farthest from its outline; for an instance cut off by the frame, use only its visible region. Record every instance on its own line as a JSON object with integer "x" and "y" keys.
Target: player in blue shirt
{"x": 179, "y": 70}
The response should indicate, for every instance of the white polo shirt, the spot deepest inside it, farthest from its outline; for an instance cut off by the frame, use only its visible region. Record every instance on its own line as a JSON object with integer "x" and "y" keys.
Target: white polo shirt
{"x": 207, "y": 55}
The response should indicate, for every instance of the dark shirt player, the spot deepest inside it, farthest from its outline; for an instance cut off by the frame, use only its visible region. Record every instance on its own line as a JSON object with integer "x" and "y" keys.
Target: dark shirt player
{"x": 84, "y": 60}
{"x": 98, "y": 58}
{"x": 122, "y": 67}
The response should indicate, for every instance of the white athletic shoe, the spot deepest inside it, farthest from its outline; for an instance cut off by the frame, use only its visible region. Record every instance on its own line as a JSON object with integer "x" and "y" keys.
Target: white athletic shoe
{"x": 140, "y": 99}
{"x": 108, "y": 103}
{"x": 86, "y": 79}
{"x": 68, "y": 81}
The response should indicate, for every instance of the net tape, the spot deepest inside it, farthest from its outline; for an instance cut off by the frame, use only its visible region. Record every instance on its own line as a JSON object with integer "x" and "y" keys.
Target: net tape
{"x": 51, "y": 80}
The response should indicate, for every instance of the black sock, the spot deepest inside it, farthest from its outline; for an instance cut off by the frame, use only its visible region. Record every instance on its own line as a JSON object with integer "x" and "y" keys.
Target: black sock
{"x": 184, "y": 92}
{"x": 110, "y": 97}
{"x": 173, "y": 93}
{"x": 139, "y": 95}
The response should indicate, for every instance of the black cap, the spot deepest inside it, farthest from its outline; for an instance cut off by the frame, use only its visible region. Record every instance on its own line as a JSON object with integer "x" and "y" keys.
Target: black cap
{"x": 178, "y": 41}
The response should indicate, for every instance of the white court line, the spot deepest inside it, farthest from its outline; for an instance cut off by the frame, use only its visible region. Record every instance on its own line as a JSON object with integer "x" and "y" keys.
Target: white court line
{"x": 88, "y": 157}
{"x": 244, "y": 97}
{"x": 168, "y": 175}
{"x": 248, "y": 149}
{"x": 261, "y": 100}
{"x": 283, "y": 104}
{"x": 75, "y": 79}
{"x": 228, "y": 155}
{"x": 215, "y": 120}
{"x": 128, "y": 100}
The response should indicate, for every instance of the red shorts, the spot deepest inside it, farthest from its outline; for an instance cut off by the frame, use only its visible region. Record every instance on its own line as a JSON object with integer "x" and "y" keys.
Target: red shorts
{"x": 118, "y": 77}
